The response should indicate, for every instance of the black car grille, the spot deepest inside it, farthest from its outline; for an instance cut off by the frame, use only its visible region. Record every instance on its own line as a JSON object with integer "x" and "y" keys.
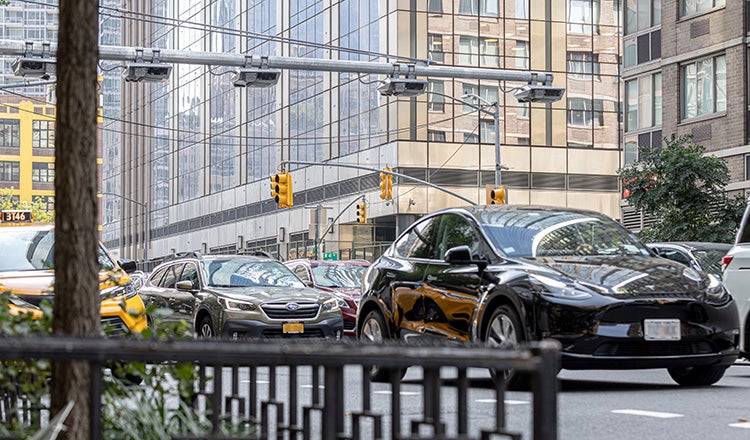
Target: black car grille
{"x": 685, "y": 311}
{"x": 349, "y": 325}
{"x": 281, "y": 311}
{"x": 647, "y": 348}
{"x": 114, "y": 326}
{"x": 277, "y": 333}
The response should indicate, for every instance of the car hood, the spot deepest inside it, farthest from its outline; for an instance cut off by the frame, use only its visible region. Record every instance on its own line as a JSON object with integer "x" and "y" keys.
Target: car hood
{"x": 346, "y": 292}
{"x": 264, "y": 294}
{"x": 23, "y": 283}
{"x": 627, "y": 275}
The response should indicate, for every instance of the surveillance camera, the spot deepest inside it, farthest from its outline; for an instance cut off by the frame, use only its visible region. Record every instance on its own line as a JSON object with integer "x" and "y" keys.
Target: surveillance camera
{"x": 147, "y": 72}
{"x": 539, "y": 93}
{"x": 42, "y": 68}
{"x": 256, "y": 77}
{"x": 402, "y": 87}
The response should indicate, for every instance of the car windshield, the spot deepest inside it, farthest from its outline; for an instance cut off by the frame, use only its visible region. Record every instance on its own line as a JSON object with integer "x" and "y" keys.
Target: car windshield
{"x": 528, "y": 234}
{"x": 709, "y": 259}
{"x": 338, "y": 275}
{"x": 30, "y": 249}
{"x": 242, "y": 272}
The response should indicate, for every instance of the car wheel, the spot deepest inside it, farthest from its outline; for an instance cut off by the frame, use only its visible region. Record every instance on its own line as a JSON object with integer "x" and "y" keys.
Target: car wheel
{"x": 206, "y": 329}
{"x": 504, "y": 332}
{"x": 374, "y": 331}
{"x": 697, "y": 376}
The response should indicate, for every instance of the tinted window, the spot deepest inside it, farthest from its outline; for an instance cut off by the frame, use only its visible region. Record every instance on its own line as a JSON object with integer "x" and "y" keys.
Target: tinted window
{"x": 419, "y": 242}
{"x": 743, "y": 236}
{"x": 190, "y": 273}
{"x": 710, "y": 259}
{"x": 675, "y": 256}
{"x": 301, "y": 272}
{"x": 171, "y": 277}
{"x": 456, "y": 231}
{"x": 156, "y": 277}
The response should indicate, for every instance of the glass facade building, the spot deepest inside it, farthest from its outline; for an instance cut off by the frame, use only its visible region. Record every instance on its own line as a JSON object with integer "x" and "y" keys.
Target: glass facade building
{"x": 200, "y": 151}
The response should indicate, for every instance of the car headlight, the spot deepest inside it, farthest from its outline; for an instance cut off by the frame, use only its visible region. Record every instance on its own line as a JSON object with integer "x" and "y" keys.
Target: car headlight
{"x": 231, "y": 304}
{"x": 340, "y": 301}
{"x": 558, "y": 289}
{"x": 127, "y": 290}
{"x": 331, "y": 304}
{"x": 715, "y": 292}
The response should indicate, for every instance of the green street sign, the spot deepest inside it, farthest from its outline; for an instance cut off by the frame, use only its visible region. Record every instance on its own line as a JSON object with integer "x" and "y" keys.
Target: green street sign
{"x": 330, "y": 255}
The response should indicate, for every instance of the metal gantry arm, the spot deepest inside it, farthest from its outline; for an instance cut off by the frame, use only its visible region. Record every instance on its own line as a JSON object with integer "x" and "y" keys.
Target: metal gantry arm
{"x": 240, "y": 60}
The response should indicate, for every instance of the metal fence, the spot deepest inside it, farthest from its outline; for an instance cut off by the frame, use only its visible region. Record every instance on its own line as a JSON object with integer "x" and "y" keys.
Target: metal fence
{"x": 260, "y": 381}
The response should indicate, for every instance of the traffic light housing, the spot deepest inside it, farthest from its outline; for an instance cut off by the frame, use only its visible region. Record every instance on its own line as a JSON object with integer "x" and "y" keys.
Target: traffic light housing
{"x": 362, "y": 213}
{"x": 281, "y": 189}
{"x": 497, "y": 195}
{"x": 386, "y": 184}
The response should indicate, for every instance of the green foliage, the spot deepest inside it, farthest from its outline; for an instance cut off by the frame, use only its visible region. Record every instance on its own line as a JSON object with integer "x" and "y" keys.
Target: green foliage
{"x": 140, "y": 400}
{"x": 685, "y": 191}
{"x": 37, "y": 207}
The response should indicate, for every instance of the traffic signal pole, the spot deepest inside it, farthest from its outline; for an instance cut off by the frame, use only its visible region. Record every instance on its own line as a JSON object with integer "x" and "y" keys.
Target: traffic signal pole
{"x": 360, "y": 167}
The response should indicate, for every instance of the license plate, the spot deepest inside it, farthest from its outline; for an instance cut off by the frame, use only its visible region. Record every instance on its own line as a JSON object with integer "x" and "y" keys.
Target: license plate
{"x": 293, "y": 327}
{"x": 661, "y": 329}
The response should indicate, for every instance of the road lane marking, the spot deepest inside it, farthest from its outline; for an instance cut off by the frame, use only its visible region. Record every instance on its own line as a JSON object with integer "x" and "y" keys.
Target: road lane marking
{"x": 403, "y": 393}
{"x": 743, "y": 425}
{"x": 638, "y": 412}
{"x": 507, "y": 402}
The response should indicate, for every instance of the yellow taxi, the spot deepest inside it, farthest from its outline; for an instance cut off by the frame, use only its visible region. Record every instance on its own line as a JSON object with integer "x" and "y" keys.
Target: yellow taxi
{"x": 27, "y": 272}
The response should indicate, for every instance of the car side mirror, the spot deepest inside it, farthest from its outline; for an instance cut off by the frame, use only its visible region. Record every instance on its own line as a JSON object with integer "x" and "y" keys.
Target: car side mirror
{"x": 184, "y": 285}
{"x": 462, "y": 255}
{"x": 127, "y": 265}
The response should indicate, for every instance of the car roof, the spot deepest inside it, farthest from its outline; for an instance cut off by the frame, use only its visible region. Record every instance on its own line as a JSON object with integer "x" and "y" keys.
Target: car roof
{"x": 29, "y": 226}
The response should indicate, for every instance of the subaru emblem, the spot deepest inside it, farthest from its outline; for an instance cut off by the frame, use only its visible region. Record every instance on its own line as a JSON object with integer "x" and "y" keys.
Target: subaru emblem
{"x": 292, "y": 307}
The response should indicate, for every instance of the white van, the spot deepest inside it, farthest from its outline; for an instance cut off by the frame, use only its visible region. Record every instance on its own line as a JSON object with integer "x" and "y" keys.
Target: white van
{"x": 736, "y": 276}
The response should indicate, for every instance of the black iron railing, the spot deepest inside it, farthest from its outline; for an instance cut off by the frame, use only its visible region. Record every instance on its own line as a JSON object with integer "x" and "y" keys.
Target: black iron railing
{"x": 261, "y": 382}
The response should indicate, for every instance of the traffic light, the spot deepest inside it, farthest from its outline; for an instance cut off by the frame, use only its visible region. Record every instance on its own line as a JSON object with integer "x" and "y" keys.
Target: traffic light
{"x": 386, "y": 184}
{"x": 497, "y": 195}
{"x": 362, "y": 213}
{"x": 281, "y": 189}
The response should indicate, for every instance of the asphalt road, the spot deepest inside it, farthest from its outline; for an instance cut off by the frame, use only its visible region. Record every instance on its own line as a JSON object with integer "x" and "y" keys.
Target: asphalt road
{"x": 595, "y": 405}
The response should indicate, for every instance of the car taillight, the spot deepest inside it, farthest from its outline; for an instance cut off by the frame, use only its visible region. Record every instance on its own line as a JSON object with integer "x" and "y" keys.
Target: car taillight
{"x": 725, "y": 262}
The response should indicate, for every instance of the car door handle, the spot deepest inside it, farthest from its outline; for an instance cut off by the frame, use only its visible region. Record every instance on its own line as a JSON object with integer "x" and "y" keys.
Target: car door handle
{"x": 432, "y": 278}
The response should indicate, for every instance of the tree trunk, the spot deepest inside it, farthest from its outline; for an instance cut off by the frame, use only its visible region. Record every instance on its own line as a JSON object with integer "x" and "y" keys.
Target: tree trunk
{"x": 76, "y": 307}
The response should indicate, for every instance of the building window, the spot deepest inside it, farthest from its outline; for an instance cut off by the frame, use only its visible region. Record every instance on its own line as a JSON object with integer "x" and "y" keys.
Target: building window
{"x": 43, "y": 134}
{"x": 486, "y": 8}
{"x": 49, "y": 201}
{"x": 482, "y": 51}
{"x": 631, "y": 152}
{"x": 488, "y": 93}
{"x": 10, "y": 171}
{"x": 522, "y": 9}
{"x": 585, "y": 112}
{"x": 747, "y": 167}
{"x": 688, "y": 7}
{"x": 435, "y": 47}
{"x": 643, "y": 102}
{"x": 435, "y": 99}
{"x": 704, "y": 85}
{"x": 642, "y": 14}
{"x": 471, "y": 138}
{"x": 43, "y": 172}
{"x": 583, "y": 16}
{"x": 487, "y": 130}
{"x": 435, "y": 136}
{"x": 582, "y": 65}
{"x": 435, "y": 6}
{"x": 522, "y": 54}
{"x": 10, "y": 133}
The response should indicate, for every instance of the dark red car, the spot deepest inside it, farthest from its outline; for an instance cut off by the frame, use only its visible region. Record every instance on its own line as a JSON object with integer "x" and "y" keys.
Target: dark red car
{"x": 342, "y": 278}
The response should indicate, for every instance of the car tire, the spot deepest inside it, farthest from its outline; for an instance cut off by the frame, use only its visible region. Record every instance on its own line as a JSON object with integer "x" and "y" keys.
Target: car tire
{"x": 206, "y": 328}
{"x": 697, "y": 376}
{"x": 504, "y": 331}
{"x": 374, "y": 331}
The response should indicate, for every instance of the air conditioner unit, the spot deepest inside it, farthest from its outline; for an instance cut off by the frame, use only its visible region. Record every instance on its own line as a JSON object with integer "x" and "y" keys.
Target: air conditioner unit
{"x": 402, "y": 87}
{"x": 147, "y": 72}
{"x": 539, "y": 93}
{"x": 34, "y": 67}
{"x": 250, "y": 77}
